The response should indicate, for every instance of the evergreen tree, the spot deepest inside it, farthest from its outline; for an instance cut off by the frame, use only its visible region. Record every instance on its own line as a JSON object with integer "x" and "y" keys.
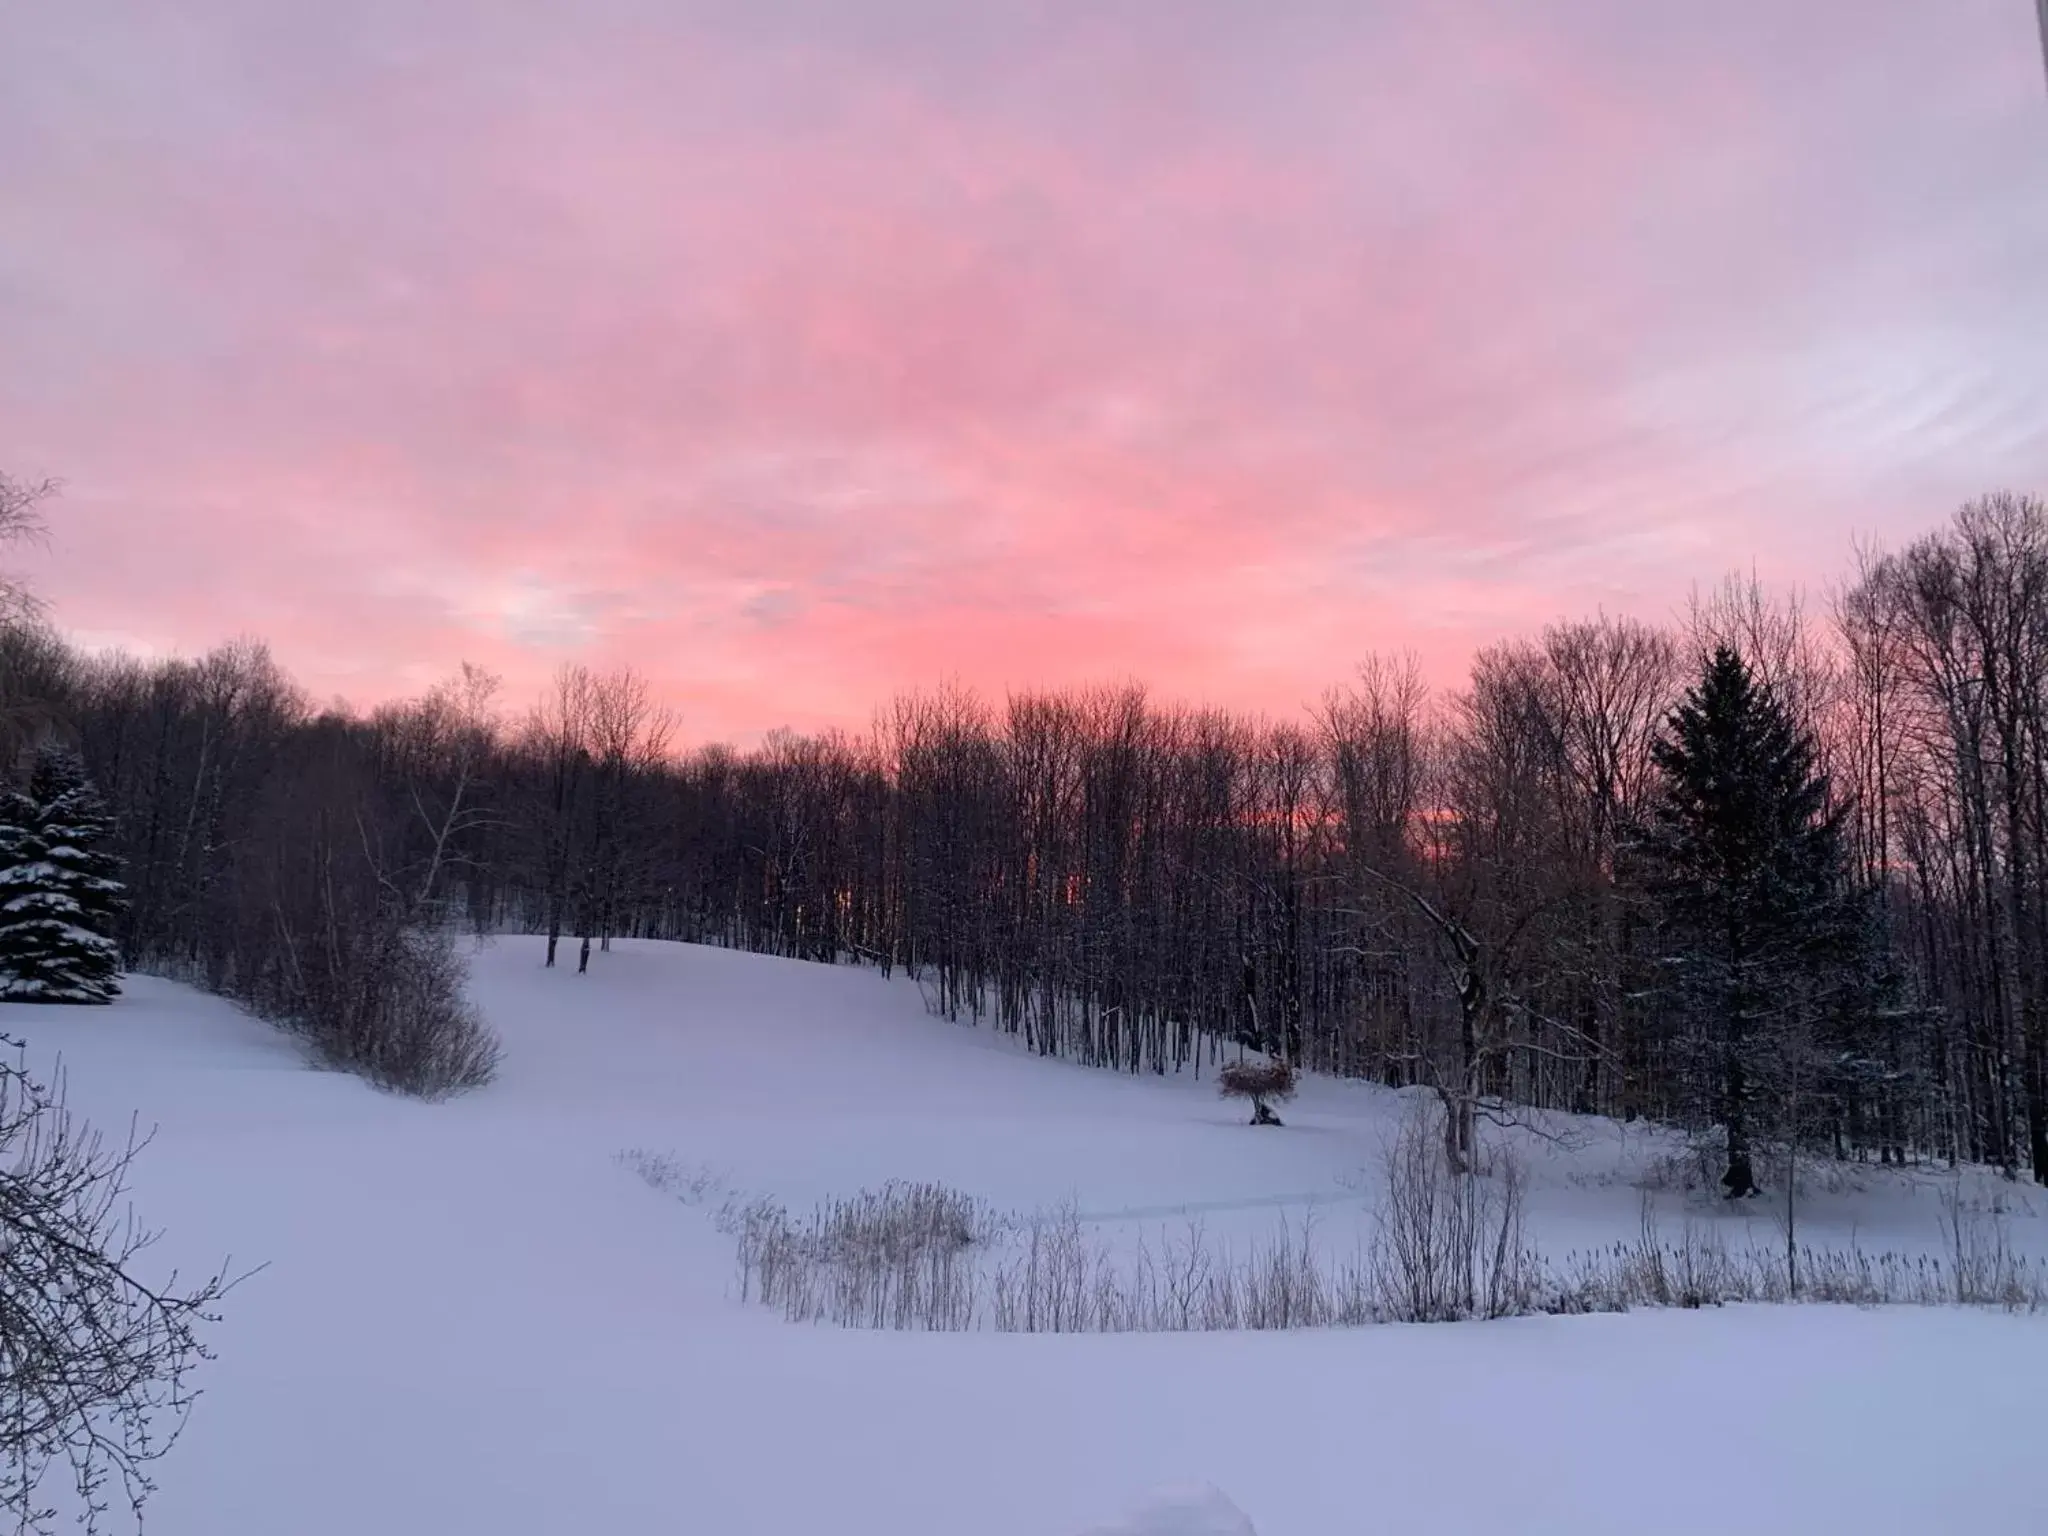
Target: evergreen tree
{"x": 1760, "y": 926}
{"x": 76, "y": 829}
{"x": 59, "y": 895}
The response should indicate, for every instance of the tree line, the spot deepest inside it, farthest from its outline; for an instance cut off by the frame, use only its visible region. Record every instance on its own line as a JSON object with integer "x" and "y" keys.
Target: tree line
{"x": 1469, "y": 891}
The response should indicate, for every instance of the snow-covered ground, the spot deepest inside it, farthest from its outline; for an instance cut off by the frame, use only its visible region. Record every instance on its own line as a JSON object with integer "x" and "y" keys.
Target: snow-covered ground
{"x": 474, "y": 1319}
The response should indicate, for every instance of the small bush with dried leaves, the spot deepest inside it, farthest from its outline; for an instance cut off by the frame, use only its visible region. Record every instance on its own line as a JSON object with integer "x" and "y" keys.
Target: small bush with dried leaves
{"x": 1257, "y": 1080}
{"x": 1265, "y": 1083}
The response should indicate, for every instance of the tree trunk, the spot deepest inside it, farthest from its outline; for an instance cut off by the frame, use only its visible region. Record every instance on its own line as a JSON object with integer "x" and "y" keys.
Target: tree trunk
{"x": 1740, "y": 1178}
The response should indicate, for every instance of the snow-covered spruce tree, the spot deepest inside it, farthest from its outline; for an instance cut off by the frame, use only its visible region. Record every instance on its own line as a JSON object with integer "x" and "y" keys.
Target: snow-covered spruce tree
{"x": 1760, "y": 929}
{"x": 58, "y": 893}
{"x": 76, "y": 827}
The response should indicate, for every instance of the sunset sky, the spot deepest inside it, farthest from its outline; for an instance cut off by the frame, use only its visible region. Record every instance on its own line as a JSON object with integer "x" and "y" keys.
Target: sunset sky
{"x": 801, "y": 352}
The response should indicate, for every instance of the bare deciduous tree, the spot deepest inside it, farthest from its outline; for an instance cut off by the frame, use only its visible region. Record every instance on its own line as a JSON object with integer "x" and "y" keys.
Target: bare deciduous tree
{"x": 96, "y": 1356}
{"x": 441, "y": 749}
{"x": 1422, "y": 889}
{"x": 21, "y": 520}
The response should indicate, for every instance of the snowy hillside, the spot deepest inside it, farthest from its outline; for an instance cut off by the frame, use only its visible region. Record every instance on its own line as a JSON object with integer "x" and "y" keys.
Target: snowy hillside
{"x": 474, "y": 1319}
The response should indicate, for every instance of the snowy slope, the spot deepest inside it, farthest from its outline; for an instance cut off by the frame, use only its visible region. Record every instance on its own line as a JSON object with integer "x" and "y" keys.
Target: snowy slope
{"x": 475, "y": 1320}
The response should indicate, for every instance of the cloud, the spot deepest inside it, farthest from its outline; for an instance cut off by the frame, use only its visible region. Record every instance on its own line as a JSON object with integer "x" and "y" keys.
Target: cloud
{"x": 799, "y": 353}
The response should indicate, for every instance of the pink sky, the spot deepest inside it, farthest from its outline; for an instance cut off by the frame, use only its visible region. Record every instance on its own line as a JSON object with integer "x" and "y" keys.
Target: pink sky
{"x": 803, "y": 351}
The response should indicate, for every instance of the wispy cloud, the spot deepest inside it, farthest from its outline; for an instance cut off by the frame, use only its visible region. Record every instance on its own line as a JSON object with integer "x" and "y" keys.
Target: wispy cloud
{"x": 802, "y": 352}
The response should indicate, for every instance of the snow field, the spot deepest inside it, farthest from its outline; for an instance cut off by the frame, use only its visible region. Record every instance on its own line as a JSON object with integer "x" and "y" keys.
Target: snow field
{"x": 473, "y": 1318}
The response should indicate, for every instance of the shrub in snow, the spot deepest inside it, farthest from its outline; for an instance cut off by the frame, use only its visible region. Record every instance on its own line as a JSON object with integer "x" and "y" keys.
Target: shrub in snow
{"x": 388, "y": 1001}
{"x": 691, "y": 1183}
{"x": 58, "y": 893}
{"x": 95, "y": 1356}
{"x": 1450, "y": 1243}
{"x": 1263, "y": 1082}
{"x": 898, "y": 1257}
